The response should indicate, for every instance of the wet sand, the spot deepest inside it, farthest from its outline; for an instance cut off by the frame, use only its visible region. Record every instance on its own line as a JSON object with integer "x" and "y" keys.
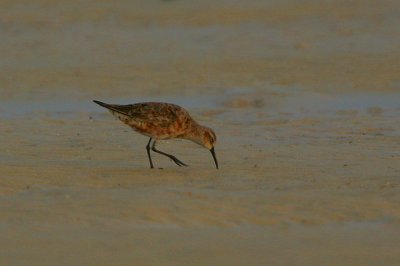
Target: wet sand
{"x": 304, "y": 99}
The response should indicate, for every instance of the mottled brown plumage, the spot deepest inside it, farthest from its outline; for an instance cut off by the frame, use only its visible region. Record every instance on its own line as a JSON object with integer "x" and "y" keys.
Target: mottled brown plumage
{"x": 163, "y": 121}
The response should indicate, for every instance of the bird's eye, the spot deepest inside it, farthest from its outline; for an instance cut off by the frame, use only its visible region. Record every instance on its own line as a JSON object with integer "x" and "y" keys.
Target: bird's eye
{"x": 212, "y": 140}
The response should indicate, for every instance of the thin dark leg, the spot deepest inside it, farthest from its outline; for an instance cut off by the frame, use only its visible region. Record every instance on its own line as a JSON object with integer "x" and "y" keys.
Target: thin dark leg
{"x": 173, "y": 158}
{"x": 148, "y": 153}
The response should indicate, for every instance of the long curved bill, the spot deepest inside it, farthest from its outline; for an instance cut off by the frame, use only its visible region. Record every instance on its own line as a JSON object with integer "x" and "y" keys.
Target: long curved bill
{"x": 215, "y": 157}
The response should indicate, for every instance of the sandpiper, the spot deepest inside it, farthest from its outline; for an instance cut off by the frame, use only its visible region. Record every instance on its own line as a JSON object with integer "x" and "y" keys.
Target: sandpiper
{"x": 160, "y": 121}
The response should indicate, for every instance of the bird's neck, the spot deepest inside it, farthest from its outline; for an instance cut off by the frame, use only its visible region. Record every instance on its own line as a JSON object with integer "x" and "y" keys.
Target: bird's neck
{"x": 196, "y": 134}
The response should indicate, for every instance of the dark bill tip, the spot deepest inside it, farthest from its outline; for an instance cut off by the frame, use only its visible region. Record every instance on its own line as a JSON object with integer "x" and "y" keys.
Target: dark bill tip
{"x": 214, "y": 156}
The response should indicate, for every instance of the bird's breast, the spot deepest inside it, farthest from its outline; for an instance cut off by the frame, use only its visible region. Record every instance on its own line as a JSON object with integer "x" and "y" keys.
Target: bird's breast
{"x": 157, "y": 131}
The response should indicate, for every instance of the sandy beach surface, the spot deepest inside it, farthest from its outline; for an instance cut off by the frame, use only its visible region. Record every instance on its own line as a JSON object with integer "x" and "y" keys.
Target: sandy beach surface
{"x": 304, "y": 97}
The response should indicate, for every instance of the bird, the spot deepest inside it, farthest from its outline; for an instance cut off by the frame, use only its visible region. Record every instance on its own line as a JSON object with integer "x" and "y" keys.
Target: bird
{"x": 160, "y": 121}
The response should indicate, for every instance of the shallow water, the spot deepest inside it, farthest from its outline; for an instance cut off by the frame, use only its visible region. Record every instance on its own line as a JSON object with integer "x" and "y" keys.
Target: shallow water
{"x": 298, "y": 104}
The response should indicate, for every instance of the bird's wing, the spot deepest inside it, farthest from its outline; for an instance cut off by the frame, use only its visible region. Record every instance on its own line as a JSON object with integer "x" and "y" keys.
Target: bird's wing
{"x": 160, "y": 114}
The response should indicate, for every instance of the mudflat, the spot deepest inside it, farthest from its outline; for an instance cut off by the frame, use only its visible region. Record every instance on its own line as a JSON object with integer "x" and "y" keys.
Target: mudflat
{"x": 304, "y": 98}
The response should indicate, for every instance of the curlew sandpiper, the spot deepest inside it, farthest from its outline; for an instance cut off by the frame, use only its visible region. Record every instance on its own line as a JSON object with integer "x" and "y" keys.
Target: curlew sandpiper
{"x": 163, "y": 121}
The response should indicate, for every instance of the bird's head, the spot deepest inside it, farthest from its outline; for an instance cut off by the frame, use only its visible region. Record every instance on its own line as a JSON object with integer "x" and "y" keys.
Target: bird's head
{"x": 208, "y": 141}
{"x": 208, "y": 138}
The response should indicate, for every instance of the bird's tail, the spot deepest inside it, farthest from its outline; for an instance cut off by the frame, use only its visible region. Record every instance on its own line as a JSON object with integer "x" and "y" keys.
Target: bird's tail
{"x": 119, "y": 111}
{"x": 108, "y": 106}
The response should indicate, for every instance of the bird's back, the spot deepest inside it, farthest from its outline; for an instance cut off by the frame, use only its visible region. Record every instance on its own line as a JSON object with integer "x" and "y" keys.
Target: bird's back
{"x": 153, "y": 119}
